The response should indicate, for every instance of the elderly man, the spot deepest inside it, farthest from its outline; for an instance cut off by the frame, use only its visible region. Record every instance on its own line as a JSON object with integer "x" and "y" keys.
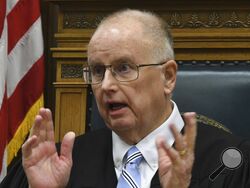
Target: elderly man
{"x": 146, "y": 143}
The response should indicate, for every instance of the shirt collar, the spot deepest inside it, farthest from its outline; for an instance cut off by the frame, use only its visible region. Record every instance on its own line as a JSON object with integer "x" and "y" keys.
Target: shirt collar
{"x": 147, "y": 145}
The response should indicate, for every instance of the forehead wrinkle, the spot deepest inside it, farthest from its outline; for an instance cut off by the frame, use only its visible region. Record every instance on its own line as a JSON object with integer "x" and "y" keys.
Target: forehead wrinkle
{"x": 114, "y": 60}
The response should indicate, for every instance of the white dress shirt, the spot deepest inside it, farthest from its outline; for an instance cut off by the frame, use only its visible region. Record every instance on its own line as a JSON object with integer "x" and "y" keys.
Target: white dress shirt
{"x": 147, "y": 147}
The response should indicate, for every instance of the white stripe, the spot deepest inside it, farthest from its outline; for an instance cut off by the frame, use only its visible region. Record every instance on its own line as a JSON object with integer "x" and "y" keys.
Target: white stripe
{"x": 4, "y": 167}
{"x": 26, "y": 52}
{"x": 10, "y": 5}
{"x": 3, "y": 61}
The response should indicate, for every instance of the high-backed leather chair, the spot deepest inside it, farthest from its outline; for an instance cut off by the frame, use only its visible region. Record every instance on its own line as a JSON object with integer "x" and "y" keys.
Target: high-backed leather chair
{"x": 219, "y": 92}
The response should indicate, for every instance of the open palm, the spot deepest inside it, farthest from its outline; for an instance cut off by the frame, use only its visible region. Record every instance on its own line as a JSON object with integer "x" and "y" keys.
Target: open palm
{"x": 175, "y": 164}
{"x": 42, "y": 164}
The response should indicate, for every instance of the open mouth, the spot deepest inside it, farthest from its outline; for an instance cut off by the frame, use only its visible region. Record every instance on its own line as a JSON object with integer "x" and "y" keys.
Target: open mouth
{"x": 116, "y": 106}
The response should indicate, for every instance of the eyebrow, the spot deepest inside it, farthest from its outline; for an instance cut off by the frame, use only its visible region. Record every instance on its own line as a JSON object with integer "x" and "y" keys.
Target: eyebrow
{"x": 123, "y": 59}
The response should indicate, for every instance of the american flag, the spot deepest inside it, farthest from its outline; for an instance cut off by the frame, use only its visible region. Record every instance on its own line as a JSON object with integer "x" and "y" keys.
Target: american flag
{"x": 21, "y": 74}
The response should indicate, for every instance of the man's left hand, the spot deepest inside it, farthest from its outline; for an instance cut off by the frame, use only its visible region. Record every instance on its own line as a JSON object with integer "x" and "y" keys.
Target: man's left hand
{"x": 175, "y": 164}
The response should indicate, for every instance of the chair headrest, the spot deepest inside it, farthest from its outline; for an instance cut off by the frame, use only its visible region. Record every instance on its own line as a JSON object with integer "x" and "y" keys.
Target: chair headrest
{"x": 220, "y": 92}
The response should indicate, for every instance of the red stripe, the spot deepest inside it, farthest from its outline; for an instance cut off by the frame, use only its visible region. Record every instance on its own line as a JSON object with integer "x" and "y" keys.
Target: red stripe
{"x": 3, "y": 127}
{"x": 20, "y": 19}
{"x": 2, "y": 15}
{"x": 27, "y": 92}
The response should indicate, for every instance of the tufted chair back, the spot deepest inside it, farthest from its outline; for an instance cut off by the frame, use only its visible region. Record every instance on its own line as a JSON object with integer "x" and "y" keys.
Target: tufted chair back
{"x": 219, "y": 91}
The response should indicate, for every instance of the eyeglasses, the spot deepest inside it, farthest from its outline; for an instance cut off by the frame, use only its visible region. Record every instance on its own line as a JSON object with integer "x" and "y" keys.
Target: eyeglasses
{"x": 123, "y": 72}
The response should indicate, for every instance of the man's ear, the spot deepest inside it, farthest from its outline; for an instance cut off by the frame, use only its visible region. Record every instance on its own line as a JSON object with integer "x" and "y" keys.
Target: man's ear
{"x": 169, "y": 71}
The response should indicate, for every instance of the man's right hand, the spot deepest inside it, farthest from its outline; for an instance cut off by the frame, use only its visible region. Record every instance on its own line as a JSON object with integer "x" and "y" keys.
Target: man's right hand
{"x": 41, "y": 162}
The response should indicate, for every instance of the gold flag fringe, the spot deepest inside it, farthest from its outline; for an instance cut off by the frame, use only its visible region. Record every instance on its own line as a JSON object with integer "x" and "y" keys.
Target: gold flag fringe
{"x": 16, "y": 142}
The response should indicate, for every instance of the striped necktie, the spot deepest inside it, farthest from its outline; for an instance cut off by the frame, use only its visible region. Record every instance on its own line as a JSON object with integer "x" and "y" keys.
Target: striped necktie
{"x": 130, "y": 176}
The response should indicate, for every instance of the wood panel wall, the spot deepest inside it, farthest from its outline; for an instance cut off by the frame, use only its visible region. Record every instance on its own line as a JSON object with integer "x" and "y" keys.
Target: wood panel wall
{"x": 202, "y": 30}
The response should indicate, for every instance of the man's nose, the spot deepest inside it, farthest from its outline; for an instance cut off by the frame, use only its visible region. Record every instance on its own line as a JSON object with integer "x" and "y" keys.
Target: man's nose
{"x": 109, "y": 81}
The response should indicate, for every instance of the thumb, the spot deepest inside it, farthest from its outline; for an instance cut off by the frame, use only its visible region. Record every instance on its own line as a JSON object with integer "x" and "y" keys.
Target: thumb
{"x": 163, "y": 158}
{"x": 161, "y": 146}
{"x": 67, "y": 145}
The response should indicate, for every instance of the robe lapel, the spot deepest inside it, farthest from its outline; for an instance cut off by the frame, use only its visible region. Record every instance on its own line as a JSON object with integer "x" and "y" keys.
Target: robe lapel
{"x": 110, "y": 175}
{"x": 155, "y": 183}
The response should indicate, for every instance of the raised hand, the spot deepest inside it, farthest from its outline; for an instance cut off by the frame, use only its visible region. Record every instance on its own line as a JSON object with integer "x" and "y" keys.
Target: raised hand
{"x": 41, "y": 162}
{"x": 175, "y": 164}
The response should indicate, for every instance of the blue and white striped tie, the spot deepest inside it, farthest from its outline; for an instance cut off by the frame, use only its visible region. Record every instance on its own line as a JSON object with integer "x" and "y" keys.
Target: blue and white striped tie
{"x": 130, "y": 176}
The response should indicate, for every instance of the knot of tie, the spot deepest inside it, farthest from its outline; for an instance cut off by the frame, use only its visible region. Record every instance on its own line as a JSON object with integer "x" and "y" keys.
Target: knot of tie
{"x": 130, "y": 176}
{"x": 134, "y": 157}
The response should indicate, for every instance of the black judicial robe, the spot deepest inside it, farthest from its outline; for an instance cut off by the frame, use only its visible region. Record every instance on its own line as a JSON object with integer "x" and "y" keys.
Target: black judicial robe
{"x": 93, "y": 165}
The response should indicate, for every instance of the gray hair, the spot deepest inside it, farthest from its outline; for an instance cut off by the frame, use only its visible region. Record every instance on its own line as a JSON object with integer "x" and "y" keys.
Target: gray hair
{"x": 154, "y": 28}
